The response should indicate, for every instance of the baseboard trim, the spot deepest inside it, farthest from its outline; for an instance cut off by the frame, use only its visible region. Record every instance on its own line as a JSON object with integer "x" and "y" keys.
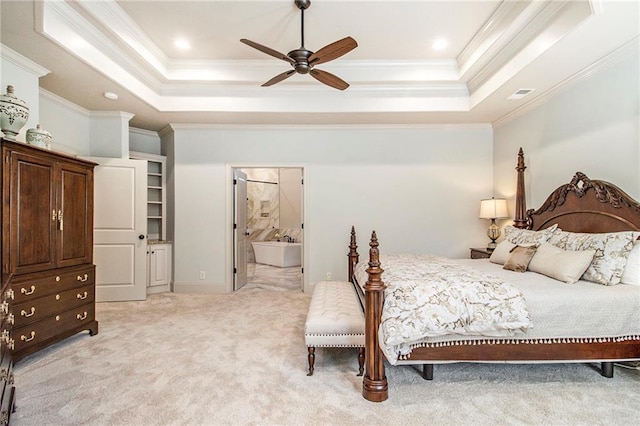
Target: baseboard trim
{"x": 199, "y": 287}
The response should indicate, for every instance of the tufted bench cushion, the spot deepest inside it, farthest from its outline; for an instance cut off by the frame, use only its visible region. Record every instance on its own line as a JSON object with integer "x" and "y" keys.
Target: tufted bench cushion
{"x": 335, "y": 319}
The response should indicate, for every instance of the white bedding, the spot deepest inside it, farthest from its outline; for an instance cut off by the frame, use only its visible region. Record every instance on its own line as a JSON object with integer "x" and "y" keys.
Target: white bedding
{"x": 581, "y": 311}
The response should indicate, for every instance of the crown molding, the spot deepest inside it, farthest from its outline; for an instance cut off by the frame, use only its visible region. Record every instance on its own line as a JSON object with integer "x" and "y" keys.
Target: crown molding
{"x": 8, "y": 54}
{"x": 173, "y": 127}
{"x": 65, "y": 103}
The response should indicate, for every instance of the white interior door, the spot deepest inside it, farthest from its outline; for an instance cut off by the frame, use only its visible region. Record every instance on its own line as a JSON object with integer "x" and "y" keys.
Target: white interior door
{"x": 120, "y": 229}
{"x": 240, "y": 229}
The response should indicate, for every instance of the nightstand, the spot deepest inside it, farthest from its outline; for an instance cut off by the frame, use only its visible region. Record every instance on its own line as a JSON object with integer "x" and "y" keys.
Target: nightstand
{"x": 480, "y": 253}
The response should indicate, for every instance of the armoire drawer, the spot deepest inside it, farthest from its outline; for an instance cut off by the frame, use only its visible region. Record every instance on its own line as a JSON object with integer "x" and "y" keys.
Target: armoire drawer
{"x": 42, "y": 307}
{"x": 30, "y": 286}
{"x": 47, "y": 328}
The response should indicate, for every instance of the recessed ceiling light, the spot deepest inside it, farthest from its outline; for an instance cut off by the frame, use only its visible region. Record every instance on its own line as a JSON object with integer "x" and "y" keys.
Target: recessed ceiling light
{"x": 110, "y": 95}
{"x": 440, "y": 44}
{"x": 182, "y": 44}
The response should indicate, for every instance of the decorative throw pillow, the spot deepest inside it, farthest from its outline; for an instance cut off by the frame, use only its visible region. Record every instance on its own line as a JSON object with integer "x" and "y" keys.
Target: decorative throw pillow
{"x": 519, "y": 258}
{"x": 631, "y": 274}
{"x": 612, "y": 251}
{"x": 526, "y": 236}
{"x": 562, "y": 265}
{"x": 501, "y": 252}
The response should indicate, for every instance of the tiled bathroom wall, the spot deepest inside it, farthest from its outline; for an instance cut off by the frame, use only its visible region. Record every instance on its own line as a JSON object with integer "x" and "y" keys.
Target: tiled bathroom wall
{"x": 263, "y": 209}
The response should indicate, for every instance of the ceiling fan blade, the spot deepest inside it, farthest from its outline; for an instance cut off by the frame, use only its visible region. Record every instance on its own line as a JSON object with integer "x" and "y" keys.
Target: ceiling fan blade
{"x": 333, "y": 51}
{"x": 329, "y": 79}
{"x": 278, "y": 78}
{"x": 268, "y": 50}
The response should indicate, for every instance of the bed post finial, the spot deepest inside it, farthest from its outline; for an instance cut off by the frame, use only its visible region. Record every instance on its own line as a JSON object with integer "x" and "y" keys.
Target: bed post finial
{"x": 353, "y": 255}
{"x": 374, "y": 384}
{"x": 520, "y": 220}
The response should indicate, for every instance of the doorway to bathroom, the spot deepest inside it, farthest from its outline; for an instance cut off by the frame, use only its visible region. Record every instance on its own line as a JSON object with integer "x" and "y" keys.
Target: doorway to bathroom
{"x": 268, "y": 228}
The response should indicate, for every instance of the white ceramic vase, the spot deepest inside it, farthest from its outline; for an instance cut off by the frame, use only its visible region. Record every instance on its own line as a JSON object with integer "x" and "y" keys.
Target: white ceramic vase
{"x": 14, "y": 114}
{"x": 39, "y": 137}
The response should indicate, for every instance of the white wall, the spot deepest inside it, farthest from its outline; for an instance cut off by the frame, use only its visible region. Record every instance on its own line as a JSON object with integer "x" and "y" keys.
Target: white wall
{"x": 592, "y": 127}
{"x": 141, "y": 140}
{"x": 418, "y": 187}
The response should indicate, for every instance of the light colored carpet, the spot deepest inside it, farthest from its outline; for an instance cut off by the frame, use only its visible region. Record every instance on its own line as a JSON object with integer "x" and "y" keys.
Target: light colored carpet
{"x": 240, "y": 358}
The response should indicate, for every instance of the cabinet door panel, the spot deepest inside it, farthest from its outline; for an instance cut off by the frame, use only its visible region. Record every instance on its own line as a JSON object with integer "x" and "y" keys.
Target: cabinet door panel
{"x": 32, "y": 211}
{"x": 76, "y": 227}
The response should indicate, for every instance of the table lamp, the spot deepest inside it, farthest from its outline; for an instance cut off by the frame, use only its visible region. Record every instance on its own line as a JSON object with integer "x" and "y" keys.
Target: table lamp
{"x": 493, "y": 208}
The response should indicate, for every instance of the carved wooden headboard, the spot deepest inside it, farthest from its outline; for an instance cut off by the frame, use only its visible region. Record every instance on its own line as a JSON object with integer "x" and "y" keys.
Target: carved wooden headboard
{"x": 582, "y": 205}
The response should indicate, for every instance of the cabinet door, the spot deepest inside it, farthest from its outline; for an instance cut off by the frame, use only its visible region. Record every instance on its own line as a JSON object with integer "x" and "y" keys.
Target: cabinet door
{"x": 33, "y": 213}
{"x": 159, "y": 262}
{"x": 75, "y": 206}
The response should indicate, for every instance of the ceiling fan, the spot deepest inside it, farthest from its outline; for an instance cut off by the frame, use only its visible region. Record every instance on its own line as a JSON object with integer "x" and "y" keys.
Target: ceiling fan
{"x": 304, "y": 60}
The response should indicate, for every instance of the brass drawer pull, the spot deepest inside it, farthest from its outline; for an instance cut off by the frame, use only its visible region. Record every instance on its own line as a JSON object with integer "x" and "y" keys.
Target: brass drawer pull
{"x": 82, "y": 279}
{"x": 82, "y": 296}
{"x": 11, "y": 344}
{"x": 28, "y": 292}
{"x": 10, "y": 294}
{"x": 11, "y": 319}
{"x": 82, "y": 317}
{"x": 28, "y": 314}
{"x": 28, "y": 339}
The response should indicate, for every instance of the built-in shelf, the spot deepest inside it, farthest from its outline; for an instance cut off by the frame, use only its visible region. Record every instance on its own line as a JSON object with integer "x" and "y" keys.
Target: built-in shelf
{"x": 156, "y": 194}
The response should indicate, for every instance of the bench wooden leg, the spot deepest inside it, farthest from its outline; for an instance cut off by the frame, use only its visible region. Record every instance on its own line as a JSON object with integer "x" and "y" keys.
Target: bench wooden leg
{"x": 312, "y": 359}
{"x": 360, "y": 361}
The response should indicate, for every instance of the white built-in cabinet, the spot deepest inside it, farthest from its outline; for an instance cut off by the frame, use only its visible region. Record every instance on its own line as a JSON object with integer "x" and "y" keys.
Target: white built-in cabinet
{"x": 158, "y": 248}
{"x": 159, "y": 261}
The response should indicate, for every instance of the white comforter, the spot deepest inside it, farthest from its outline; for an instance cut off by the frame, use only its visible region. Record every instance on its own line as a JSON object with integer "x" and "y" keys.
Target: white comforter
{"x": 583, "y": 311}
{"x": 429, "y": 296}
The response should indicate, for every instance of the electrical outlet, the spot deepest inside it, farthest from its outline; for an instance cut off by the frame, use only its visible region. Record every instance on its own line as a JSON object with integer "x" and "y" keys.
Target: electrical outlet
{"x": 202, "y": 275}
{"x": 328, "y": 276}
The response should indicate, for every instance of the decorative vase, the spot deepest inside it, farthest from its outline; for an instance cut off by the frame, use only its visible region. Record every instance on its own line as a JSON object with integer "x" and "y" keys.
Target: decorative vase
{"x": 39, "y": 137}
{"x": 14, "y": 114}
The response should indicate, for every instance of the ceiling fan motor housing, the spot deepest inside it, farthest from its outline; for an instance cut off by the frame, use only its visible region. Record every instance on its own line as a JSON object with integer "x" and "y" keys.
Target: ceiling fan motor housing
{"x": 301, "y": 56}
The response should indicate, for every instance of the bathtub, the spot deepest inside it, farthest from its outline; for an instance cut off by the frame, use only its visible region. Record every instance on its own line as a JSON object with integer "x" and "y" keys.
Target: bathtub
{"x": 278, "y": 253}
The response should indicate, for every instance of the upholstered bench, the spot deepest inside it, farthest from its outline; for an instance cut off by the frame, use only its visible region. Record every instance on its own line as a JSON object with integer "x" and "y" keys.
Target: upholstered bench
{"x": 335, "y": 319}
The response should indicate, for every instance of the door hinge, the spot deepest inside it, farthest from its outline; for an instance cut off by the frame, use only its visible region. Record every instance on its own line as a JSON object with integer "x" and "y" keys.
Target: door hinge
{"x": 301, "y": 181}
{"x": 235, "y": 226}
{"x": 302, "y": 226}
{"x": 235, "y": 181}
{"x": 235, "y": 270}
{"x": 302, "y": 270}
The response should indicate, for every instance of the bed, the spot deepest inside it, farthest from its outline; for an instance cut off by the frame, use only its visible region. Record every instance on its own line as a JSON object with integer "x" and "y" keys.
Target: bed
{"x": 601, "y": 331}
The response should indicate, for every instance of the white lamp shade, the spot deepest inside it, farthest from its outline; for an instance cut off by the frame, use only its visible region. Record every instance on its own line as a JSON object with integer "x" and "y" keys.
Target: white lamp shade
{"x": 493, "y": 208}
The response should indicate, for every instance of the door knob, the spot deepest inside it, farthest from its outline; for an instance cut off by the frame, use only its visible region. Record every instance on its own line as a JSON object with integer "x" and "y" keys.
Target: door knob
{"x": 141, "y": 236}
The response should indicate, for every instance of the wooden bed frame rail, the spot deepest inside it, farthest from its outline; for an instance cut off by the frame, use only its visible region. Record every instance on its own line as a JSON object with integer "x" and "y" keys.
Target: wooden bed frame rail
{"x": 582, "y": 205}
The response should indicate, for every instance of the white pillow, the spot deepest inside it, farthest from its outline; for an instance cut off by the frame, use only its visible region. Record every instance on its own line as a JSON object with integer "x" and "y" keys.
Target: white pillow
{"x": 612, "y": 251}
{"x": 631, "y": 274}
{"x": 526, "y": 237}
{"x": 501, "y": 252}
{"x": 562, "y": 265}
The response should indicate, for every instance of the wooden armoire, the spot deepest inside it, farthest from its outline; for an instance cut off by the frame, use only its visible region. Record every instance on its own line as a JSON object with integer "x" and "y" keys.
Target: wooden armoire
{"x": 48, "y": 276}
